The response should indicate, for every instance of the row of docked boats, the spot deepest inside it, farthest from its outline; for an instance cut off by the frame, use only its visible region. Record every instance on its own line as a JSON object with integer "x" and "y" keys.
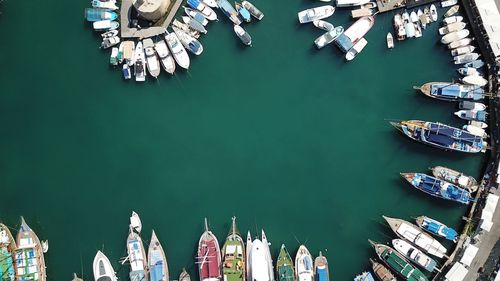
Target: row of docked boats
{"x": 22, "y": 258}
{"x": 234, "y": 261}
{"x": 411, "y": 24}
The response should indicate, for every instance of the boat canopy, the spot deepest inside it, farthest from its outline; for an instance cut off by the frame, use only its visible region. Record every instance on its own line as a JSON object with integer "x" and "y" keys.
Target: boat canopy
{"x": 322, "y": 274}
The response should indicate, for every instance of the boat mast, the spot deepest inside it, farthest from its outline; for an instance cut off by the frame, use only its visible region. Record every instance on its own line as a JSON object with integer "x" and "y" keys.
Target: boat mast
{"x": 234, "y": 226}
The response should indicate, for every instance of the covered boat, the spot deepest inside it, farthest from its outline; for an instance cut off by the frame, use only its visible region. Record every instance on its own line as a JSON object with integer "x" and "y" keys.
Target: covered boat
{"x": 328, "y": 37}
{"x": 194, "y": 24}
{"x": 472, "y": 115}
{"x": 190, "y": 43}
{"x": 209, "y": 256}
{"x": 354, "y": 33}
{"x": 256, "y": 13}
{"x": 29, "y": 259}
{"x": 128, "y": 52}
{"x": 441, "y": 136}
{"x": 259, "y": 257}
{"x": 317, "y": 13}
{"x": 351, "y": 3}
{"x": 157, "y": 260}
{"x": 382, "y": 272}
{"x": 356, "y": 49}
{"x": 398, "y": 263}
{"x": 7, "y": 250}
{"x": 105, "y": 25}
{"x": 408, "y": 25}
{"x": 103, "y": 270}
{"x": 475, "y": 64}
{"x": 454, "y": 177}
{"x": 153, "y": 64}
{"x": 455, "y": 36}
{"x": 284, "y": 266}
{"x": 229, "y": 11}
{"x": 365, "y": 276}
{"x": 199, "y": 17}
{"x": 96, "y": 14}
{"x": 321, "y": 268}
{"x": 233, "y": 255}
{"x": 304, "y": 265}
{"x": 438, "y": 188}
{"x": 178, "y": 52}
{"x": 136, "y": 256}
{"x": 166, "y": 59}
{"x": 437, "y": 228}
{"x": 399, "y": 27}
{"x": 451, "y": 91}
{"x": 415, "y": 255}
{"x": 469, "y": 105}
{"x": 243, "y": 35}
{"x": 413, "y": 234}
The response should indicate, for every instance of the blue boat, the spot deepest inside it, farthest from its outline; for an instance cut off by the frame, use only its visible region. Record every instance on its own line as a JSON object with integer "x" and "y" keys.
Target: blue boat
{"x": 451, "y": 91}
{"x": 243, "y": 12}
{"x": 441, "y": 136}
{"x": 438, "y": 188}
{"x": 437, "y": 228}
{"x": 229, "y": 11}
{"x": 475, "y": 64}
{"x": 203, "y": 9}
{"x": 321, "y": 268}
{"x": 96, "y": 14}
{"x": 365, "y": 276}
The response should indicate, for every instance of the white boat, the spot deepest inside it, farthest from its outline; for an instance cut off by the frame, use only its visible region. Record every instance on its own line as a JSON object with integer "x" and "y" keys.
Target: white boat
{"x": 247, "y": 257}
{"x": 465, "y": 71}
{"x": 256, "y": 13}
{"x": 358, "y": 29}
{"x": 425, "y": 18}
{"x": 452, "y": 27}
{"x": 453, "y": 10}
{"x": 478, "y": 124}
{"x": 416, "y": 24}
{"x": 135, "y": 220}
{"x": 399, "y": 27}
{"x": 152, "y": 62}
{"x": 199, "y": 17}
{"x": 324, "y": 25}
{"x": 113, "y": 59}
{"x": 475, "y": 131}
{"x": 328, "y": 37}
{"x": 194, "y": 24}
{"x": 455, "y": 36}
{"x": 243, "y": 35}
{"x": 465, "y": 58}
{"x": 136, "y": 256}
{"x": 190, "y": 43}
{"x": 304, "y": 268}
{"x": 475, "y": 79}
{"x": 105, "y": 25}
{"x": 463, "y": 50}
{"x": 356, "y": 49}
{"x": 103, "y": 271}
{"x": 433, "y": 11}
{"x": 127, "y": 74}
{"x": 110, "y": 42}
{"x": 166, "y": 59}
{"x": 268, "y": 252}
{"x": 415, "y": 255}
{"x": 351, "y": 3}
{"x": 412, "y": 233}
{"x": 363, "y": 12}
{"x": 390, "y": 40}
{"x": 110, "y": 33}
{"x": 370, "y": 5}
{"x": 128, "y": 52}
{"x": 259, "y": 262}
{"x": 45, "y": 246}
{"x": 317, "y": 13}
{"x": 448, "y": 3}
{"x": 157, "y": 260}
{"x": 184, "y": 27}
{"x": 178, "y": 52}
{"x": 460, "y": 43}
{"x": 140, "y": 76}
{"x": 206, "y": 11}
{"x": 420, "y": 15}
{"x": 409, "y": 27}
{"x": 210, "y": 3}
{"x": 452, "y": 19}
{"x": 110, "y": 5}
{"x": 470, "y": 105}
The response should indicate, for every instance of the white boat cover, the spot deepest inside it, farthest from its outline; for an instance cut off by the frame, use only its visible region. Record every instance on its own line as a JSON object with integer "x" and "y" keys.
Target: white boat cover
{"x": 427, "y": 243}
{"x": 456, "y": 273}
{"x": 469, "y": 254}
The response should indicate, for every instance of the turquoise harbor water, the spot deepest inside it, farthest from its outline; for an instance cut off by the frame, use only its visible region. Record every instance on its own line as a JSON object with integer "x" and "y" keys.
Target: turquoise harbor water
{"x": 285, "y": 137}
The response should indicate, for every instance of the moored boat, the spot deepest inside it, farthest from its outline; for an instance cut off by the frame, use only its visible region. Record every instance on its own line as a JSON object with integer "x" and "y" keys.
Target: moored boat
{"x": 209, "y": 256}
{"x": 256, "y": 13}
{"x": 136, "y": 256}
{"x": 451, "y": 11}
{"x": 433, "y": 12}
{"x": 304, "y": 265}
{"x": 462, "y": 50}
{"x": 475, "y": 64}
{"x": 411, "y": 232}
{"x": 166, "y": 59}
{"x": 390, "y": 40}
{"x": 397, "y": 262}
{"x": 140, "y": 76}
{"x": 472, "y": 105}
{"x": 452, "y": 19}
{"x": 198, "y": 16}
{"x": 76, "y": 278}
{"x": 366, "y": 276}
{"x": 317, "y": 13}
{"x": 448, "y": 3}
{"x": 452, "y": 27}
{"x": 472, "y": 115}
{"x": 243, "y": 12}
{"x": 7, "y": 250}
{"x": 437, "y": 187}
{"x": 243, "y": 35}
{"x": 184, "y": 27}
{"x": 202, "y": 8}
{"x": 459, "y": 43}
{"x": 382, "y": 272}
{"x": 461, "y": 59}
{"x": 97, "y": 14}
{"x": 105, "y": 25}
{"x": 190, "y": 43}
{"x": 414, "y": 255}
{"x": 437, "y": 228}
{"x": 475, "y": 79}
{"x": 111, "y": 5}
{"x": 362, "y": 12}
{"x": 328, "y": 37}
{"x": 157, "y": 260}
{"x": 284, "y": 266}
{"x": 113, "y": 59}
{"x": 248, "y": 248}
{"x": 356, "y": 49}
{"x": 321, "y": 268}
{"x": 421, "y": 18}
{"x": 109, "y": 42}
{"x": 478, "y": 132}
{"x": 152, "y": 62}
{"x": 351, "y": 3}
{"x": 416, "y": 24}
{"x": 178, "y": 52}
{"x": 465, "y": 71}
{"x": 29, "y": 259}
{"x": 194, "y": 24}
{"x": 233, "y": 255}
{"x": 455, "y": 36}
{"x": 229, "y": 11}
{"x": 261, "y": 264}
{"x": 128, "y": 52}
{"x": 399, "y": 27}
{"x": 455, "y": 177}
{"x": 408, "y": 25}
{"x": 354, "y": 33}
{"x": 451, "y": 91}
{"x": 127, "y": 74}
{"x": 103, "y": 270}
{"x": 324, "y": 25}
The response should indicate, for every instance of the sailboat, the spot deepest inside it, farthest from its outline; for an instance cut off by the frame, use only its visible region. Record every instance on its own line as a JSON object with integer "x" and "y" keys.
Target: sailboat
{"x": 261, "y": 264}
{"x": 136, "y": 257}
{"x": 233, "y": 255}
{"x": 7, "y": 248}
{"x": 30, "y": 262}
{"x": 209, "y": 256}
{"x": 157, "y": 260}
{"x": 284, "y": 266}
{"x": 321, "y": 268}
{"x": 304, "y": 265}
{"x": 103, "y": 271}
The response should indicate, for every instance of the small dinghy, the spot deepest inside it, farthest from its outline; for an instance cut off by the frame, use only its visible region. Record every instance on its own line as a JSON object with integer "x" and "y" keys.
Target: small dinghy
{"x": 453, "y": 10}
{"x": 126, "y": 71}
{"x": 135, "y": 220}
{"x": 472, "y": 115}
{"x": 317, "y": 13}
{"x": 199, "y": 17}
{"x": 328, "y": 37}
{"x": 356, "y": 49}
{"x": 109, "y": 34}
{"x": 390, "y": 40}
{"x": 470, "y": 105}
{"x": 437, "y": 228}
{"x": 448, "y": 3}
{"x": 194, "y": 24}
{"x": 113, "y": 59}
{"x": 256, "y": 13}
{"x": 243, "y": 12}
{"x": 415, "y": 255}
{"x": 455, "y": 177}
{"x": 324, "y": 25}
{"x": 110, "y": 5}
{"x": 475, "y": 79}
{"x": 434, "y": 15}
{"x": 243, "y": 35}
{"x": 462, "y": 50}
{"x": 152, "y": 62}
{"x": 452, "y": 19}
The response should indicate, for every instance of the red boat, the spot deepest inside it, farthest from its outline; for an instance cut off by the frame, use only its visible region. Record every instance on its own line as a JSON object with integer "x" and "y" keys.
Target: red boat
{"x": 209, "y": 256}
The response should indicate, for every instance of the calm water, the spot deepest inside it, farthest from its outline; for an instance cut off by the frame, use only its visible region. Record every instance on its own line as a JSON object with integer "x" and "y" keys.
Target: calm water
{"x": 281, "y": 135}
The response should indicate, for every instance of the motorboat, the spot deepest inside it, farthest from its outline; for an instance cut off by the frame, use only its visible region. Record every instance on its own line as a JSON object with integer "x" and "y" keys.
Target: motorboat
{"x": 351, "y": 3}
{"x": 408, "y": 25}
{"x": 461, "y": 59}
{"x": 229, "y": 11}
{"x": 113, "y": 59}
{"x": 414, "y": 254}
{"x": 210, "y": 3}
{"x": 475, "y": 131}
{"x": 328, "y": 37}
{"x": 256, "y": 13}
{"x": 157, "y": 260}
{"x": 199, "y": 17}
{"x": 437, "y": 228}
{"x": 470, "y": 105}
{"x": 472, "y": 115}
{"x": 184, "y": 27}
{"x": 203, "y": 8}
{"x": 354, "y": 33}
{"x": 452, "y": 19}
{"x": 453, "y": 10}
{"x": 152, "y": 62}
{"x": 399, "y": 27}
{"x": 304, "y": 268}
{"x": 356, "y": 49}
{"x": 260, "y": 261}
{"x": 321, "y": 268}
{"x": 243, "y": 12}
{"x": 97, "y": 14}
{"x": 416, "y": 24}
{"x": 103, "y": 270}
{"x": 452, "y": 27}
{"x": 136, "y": 254}
{"x": 448, "y": 3}
{"x": 420, "y": 15}
{"x": 140, "y": 76}
{"x": 194, "y": 24}
{"x": 110, "y": 33}
{"x": 243, "y": 35}
{"x": 460, "y": 43}
{"x": 390, "y": 41}
{"x": 110, "y": 42}
{"x": 177, "y": 50}
{"x": 209, "y": 256}
{"x": 455, "y": 177}
{"x": 135, "y": 220}
{"x": 105, "y": 25}
{"x": 382, "y": 272}
{"x": 475, "y": 79}
{"x": 462, "y": 50}
{"x": 166, "y": 59}
{"x": 111, "y": 5}
{"x": 455, "y": 36}
{"x": 323, "y": 25}
{"x": 367, "y": 276}
{"x": 190, "y": 43}
{"x": 474, "y": 64}
{"x": 433, "y": 11}
{"x": 127, "y": 74}
{"x": 317, "y": 13}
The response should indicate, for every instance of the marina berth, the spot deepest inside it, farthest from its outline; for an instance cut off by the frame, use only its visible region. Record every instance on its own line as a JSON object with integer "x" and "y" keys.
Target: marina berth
{"x": 414, "y": 255}
{"x": 455, "y": 36}
{"x": 29, "y": 259}
{"x": 437, "y": 228}
{"x": 455, "y": 177}
{"x": 317, "y": 13}
{"x": 413, "y": 234}
{"x": 472, "y": 115}
{"x": 256, "y": 13}
{"x": 193, "y": 24}
{"x": 199, "y": 17}
{"x": 328, "y": 37}
{"x": 321, "y": 268}
{"x": 233, "y": 255}
{"x": 354, "y": 33}
{"x": 356, "y": 49}
{"x": 367, "y": 276}
{"x": 261, "y": 264}
{"x": 7, "y": 250}
{"x": 438, "y": 188}
{"x": 304, "y": 265}
{"x": 452, "y": 19}
{"x": 284, "y": 266}
{"x": 136, "y": 257}
{"x": 190, "y": 43}
{"x": 461, "y": 59}
{"x": 208, "y": 256}
{"x": 451, "y": 91}
{"x": 243, "y": 12}
{"x": 103, "y": 271}
{"x": 382, "y": 272}
{"x": 452, "y": 27}
{"x": 166, "y": 59}
{"x": 229, "y": 11}
{"x": 453, "y": 10}
{"x": 243, "y": 35}
{"x": 323, "y": 25}
{"x": 177, "y": 50}
{"x": 152, "y": 62}
{"x": 441, "y": 136}
{"x": 157, "y": 260}
{"x": 397, "y": 263}
{"x": 202, "y": 8}
{"x": 140, "y": 76}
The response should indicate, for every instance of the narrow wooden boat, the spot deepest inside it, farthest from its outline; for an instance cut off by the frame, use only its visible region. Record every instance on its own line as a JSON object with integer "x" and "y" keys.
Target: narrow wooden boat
{"x": 382, "y": 272}
{"x": 304, "y": 265}
{"x": 321, "y": 268}
{"x": 103, "y": 270}
{"x": 412, "y": 233}
{"x": 456, "y": 177}
{"x": 7, "y": 249}
{"x": 449, "y": 91}
{"x": 437, "y": 228}
{"x": 29, "y": 259}
{"x": 414, "y": 255}
{"x": 136, "y": 257}
{"x": 209, "y": 256}
{"x": 247, "y": 259}
{"x": 157, "y": 260}
{"x": 284, "y": 266}
{"x": 233, "y": 255}
{"x": 203, "y": 8}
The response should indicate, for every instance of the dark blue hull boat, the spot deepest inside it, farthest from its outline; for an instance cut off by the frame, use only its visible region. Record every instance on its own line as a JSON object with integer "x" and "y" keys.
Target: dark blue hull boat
{"x": 438, "y": 188}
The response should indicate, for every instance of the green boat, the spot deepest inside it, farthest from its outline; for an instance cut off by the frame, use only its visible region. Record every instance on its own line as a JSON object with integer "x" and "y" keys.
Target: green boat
{"x": 284, "y": 266}
{"x": 7, "y": 248}
{"x": 233, "y": 255}
{"x": 398, "y": 263}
